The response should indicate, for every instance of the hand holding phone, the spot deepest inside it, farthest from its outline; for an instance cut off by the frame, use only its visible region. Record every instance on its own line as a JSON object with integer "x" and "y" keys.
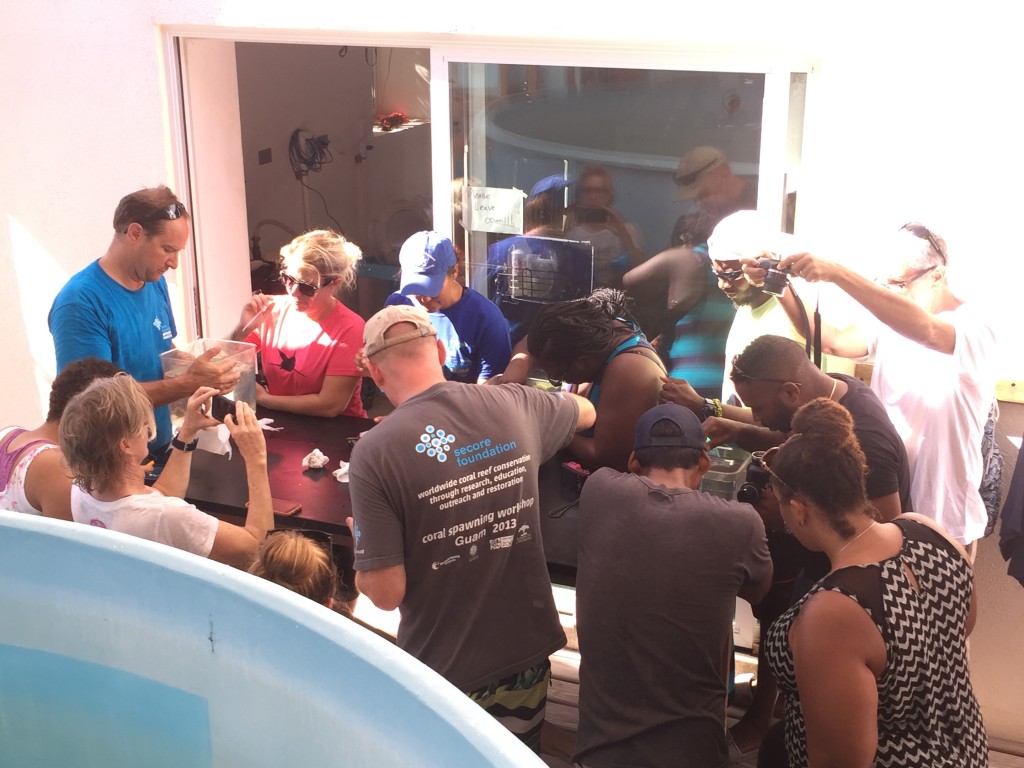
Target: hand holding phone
{"x": 220, "y": 406}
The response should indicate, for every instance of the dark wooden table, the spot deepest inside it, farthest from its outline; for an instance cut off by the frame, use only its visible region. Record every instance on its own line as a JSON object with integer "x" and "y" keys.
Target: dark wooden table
{"x": 218, "y": 485}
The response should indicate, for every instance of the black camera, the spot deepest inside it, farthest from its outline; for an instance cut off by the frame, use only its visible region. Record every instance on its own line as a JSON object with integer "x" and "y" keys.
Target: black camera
{"x": 776, "y": 280}
{"x": 756, "y": 481}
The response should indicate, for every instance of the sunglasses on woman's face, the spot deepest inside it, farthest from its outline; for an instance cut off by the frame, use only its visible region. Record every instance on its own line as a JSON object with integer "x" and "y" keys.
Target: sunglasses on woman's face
{"x": 306, "y": 289}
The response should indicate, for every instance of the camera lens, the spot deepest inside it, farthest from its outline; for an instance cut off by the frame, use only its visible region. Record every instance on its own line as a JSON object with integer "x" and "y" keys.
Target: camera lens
{"x": 748, "y": 493}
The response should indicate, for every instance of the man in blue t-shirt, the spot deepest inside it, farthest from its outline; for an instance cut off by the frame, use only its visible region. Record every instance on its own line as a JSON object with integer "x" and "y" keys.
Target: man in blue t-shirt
{"x": 118, "y": 307}
{"x": 474, "y": 332}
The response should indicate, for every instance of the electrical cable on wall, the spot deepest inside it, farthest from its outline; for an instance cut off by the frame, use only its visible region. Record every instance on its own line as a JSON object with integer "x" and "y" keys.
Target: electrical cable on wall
{"x": 307, "y": 155}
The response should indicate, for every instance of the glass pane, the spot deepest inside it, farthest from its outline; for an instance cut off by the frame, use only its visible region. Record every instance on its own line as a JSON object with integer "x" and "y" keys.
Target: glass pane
{"x": 617, "y": 136}
{"x": 601, "y": 169}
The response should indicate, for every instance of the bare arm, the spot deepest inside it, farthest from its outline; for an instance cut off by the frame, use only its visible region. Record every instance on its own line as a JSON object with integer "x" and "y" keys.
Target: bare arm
{"x": 332, "y": 399}
{"x": 48, "y": 484}
{"x": 519, "y": 367}
{"x": 252, "y": 311}
{"x": 384, "y": 586}
{"x": 680, "y": 392}
{"x": 749, "y": 437}
{"x": 681, "y": 270}
{"x": 173, "y": 480}
{"x": 234, "y": 544}
{"x": 629, "y": 387}
{"x": 587, "y": 413}
{"x": 201, "y": 373}
{"x": 838, "y": 653}
{"x": 896, "y": 311}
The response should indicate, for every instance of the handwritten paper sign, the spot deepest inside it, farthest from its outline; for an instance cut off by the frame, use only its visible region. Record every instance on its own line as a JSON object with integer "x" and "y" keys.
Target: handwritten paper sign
{"x": 494, "y": 209}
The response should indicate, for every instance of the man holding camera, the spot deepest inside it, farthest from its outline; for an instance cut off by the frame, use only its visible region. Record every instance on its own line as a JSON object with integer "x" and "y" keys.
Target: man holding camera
{"x": 743, "y": 235}
{"x": 934, "y": 370}
{"x": 656, "y": 635}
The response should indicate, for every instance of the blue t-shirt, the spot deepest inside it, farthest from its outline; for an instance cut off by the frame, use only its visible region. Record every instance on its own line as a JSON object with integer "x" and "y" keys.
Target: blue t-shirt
{"x": 95, "y": 316}
{"x": 475, "y": 334}
{"x": 697, "y": 353}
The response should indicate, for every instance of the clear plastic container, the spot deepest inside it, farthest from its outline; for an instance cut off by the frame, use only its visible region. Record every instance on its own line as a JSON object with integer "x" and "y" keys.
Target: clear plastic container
{"x": 176, "y": 361}
{"x": 728, "y": 470}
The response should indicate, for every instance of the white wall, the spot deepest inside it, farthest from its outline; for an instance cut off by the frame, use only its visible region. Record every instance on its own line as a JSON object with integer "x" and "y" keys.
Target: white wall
{"x": 913, "y": 113}
{"x": 328, "y": 90}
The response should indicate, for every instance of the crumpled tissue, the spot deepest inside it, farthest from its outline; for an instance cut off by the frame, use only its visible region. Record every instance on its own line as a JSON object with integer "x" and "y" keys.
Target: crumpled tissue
{"x": 341, "y": 474}
{"x": 315, "y": 460}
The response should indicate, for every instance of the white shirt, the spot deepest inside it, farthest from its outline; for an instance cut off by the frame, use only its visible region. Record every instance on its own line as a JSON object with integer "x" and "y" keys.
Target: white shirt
{"x": 939, "y": 404}
{"x": 163, "y": 519}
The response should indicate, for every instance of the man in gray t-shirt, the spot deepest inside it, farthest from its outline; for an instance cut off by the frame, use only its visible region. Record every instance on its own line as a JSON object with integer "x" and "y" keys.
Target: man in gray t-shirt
{"x": 445, "y": 508}
{"x": 660, "y": 567}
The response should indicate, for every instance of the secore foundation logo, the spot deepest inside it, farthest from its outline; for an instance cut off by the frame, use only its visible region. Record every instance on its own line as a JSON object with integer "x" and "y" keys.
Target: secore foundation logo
{"x": 436, "y": 443}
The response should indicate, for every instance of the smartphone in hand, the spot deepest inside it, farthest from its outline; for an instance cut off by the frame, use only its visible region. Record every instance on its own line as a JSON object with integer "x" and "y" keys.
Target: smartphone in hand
{"x": 220, "y": 407}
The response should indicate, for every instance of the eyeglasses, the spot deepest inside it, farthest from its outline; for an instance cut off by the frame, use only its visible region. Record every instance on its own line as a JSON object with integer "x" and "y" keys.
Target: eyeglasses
{"x": 738, "y": 374}
{"x": 306, "y": 289}
{"x": 727, "y": 274}
{"x": 767, "y": 459}
{"x": 899, "y": 286}
{"x": 921, "y": 231}
{"x": 689, "y": 178}
{"x": 167, "y": 213}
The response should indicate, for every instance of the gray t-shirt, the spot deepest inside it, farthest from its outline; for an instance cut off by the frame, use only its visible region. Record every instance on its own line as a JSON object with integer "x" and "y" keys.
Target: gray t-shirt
{"x": 447, "y": 486}
{"x": 659, "y": 572}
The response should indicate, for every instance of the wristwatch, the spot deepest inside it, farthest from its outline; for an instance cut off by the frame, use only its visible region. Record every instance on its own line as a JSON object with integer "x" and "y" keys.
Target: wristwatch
{"x": 186, "y": 447}
{"x": 712, "y": 407}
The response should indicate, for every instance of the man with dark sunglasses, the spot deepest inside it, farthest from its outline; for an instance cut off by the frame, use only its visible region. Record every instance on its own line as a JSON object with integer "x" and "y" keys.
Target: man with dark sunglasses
{"x": 741, "y": 235}
{"x": 118, "y": 307}
{"x": 934, "y": 370}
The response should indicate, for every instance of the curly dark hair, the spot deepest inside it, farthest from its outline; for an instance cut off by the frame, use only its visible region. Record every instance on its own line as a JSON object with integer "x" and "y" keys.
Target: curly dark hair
{"x": 567, "y": 330}
{"x": 823, "y": 462}
{"x": 73, "y": 379}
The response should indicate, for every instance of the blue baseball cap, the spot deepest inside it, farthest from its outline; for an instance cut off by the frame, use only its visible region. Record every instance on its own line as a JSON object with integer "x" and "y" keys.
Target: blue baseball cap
{"x": 691, "y": 434}
{"x": 426, "y": 258}
{"x": 549, "y": 184}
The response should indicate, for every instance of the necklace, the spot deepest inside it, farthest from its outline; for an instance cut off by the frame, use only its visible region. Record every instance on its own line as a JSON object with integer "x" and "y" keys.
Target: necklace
{"x": 847, "y": 544}
{"x": 835, "y": 383}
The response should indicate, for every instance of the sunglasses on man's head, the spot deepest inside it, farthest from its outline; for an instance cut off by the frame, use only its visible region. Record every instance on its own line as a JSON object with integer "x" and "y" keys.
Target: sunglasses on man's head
{"x": 167, "y": 213}
{"x": 921, "y": 231}
{"x": 738, "y": 374}
{"x": 306, "y": 289}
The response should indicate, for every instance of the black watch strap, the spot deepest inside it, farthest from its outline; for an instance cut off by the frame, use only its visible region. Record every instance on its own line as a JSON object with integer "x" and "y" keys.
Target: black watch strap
{"x": 186, "y": 447}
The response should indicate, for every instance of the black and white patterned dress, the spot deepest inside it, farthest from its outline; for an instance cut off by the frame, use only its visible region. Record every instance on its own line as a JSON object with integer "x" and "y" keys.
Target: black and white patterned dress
{"x": 927, "y": 712}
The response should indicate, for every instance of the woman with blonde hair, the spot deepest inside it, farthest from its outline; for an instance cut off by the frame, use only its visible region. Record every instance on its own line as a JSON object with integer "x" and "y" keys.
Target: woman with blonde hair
{"x": 295, "y": 561}
{"x": 872, "y": 661}
{"x": 307, "y": 338}
{"x": 302, "y": 561}
{"x": 104, "y": 434}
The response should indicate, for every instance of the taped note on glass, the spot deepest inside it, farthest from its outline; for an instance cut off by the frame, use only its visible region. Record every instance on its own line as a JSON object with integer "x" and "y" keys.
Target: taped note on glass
{"x": 494, "y": 209}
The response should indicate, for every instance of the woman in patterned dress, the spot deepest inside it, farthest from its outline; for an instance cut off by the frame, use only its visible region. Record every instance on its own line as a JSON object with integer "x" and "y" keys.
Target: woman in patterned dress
{"x": 872, "y": 661}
